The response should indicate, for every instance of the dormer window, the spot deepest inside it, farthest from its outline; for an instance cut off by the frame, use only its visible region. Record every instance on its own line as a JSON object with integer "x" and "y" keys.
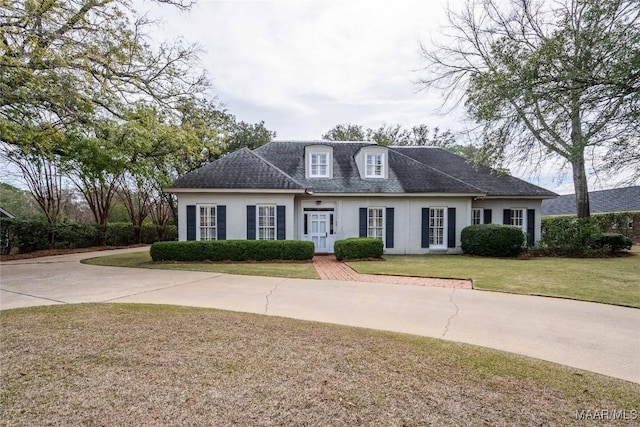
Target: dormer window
{"x": 374, "y": 167}
{"x": 319, "y": 165}
{"x": 318, "y": 161}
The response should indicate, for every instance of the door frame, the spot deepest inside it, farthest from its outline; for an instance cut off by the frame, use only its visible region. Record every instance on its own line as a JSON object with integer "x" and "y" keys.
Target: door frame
{"x": 331, "y": 226}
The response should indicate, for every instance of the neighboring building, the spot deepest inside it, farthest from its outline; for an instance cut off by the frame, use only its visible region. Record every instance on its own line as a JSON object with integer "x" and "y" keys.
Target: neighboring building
{"x": 622, "y": 205}
{"x": 415, "y": 199}
{"x": 5, "y": 214}
{"x": 605, "y": 201}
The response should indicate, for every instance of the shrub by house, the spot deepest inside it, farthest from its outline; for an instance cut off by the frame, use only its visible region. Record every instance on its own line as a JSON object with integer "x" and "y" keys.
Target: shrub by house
{"x": 233, "y": 250}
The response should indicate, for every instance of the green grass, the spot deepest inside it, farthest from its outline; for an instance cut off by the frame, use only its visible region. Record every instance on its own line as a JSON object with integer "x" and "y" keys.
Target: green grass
{"x": 606, "y": 280}
{"x": 136, "y": 364}
{"x": 296, "y": 270}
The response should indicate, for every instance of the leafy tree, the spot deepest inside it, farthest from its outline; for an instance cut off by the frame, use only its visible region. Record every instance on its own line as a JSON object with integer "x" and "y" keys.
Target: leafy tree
{"x": 19, "y": 203}
{"x": 552, "y": 79}
{"x": 345, "y": 132}
{"x": 389, "y": 135}
{"x": 242, "y": 134}
{"x": 420, "y": 135}
{"x": 66, "y": 62}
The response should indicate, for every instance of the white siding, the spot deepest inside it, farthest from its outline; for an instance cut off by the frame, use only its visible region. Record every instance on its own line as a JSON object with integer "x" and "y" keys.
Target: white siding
{"x": 497, "y": 207}
{"x": 407, "y": 224}
{"x": 236, "y": 210}
{"x": 408, "y": 218}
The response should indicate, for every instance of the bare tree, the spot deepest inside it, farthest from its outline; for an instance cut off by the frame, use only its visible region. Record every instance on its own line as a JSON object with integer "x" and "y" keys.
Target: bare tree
{"x": 547, "y": 78}
{"x": 136, "y": 195}
{"x": 44, "y": 176}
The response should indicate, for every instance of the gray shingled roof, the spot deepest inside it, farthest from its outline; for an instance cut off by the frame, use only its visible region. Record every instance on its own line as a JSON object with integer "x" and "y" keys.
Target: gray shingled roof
{"x": 489, "y": 180}
{"x": 405, "y": 175}
{"x": 616, "y": 200}
{"x": 280, "y": 165}
{"x": 241, "y": 169}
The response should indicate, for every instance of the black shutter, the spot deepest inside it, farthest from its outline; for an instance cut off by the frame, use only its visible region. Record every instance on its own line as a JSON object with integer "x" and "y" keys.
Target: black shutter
{"x": 451, "y": 227}
{"x": 251, "y": 222}
{"x": 487, "y": 216}
{"x": 363, "y": 222}
{"x": 281, "y": 221}
{"x": 222, "y": 222}
{"x": 389, "y": 228}
{"x": 425, "y": 228}
{"x": 506, "y": 217}
{"x": 191, "y": 222}
{"x": 531, "y": 226}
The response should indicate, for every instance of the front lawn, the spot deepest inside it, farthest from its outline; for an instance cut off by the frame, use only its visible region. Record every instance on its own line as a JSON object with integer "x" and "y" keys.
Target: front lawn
{"x": 148, "y": 365}
{"x": 296, "y": 270}
{"x": 607, "y": 280}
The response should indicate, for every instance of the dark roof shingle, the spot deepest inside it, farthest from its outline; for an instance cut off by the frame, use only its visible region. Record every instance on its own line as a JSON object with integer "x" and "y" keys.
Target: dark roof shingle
{"x": 616, "y": 200}
{"x": 241, "y": 169}
{"x": 281, "y": 165}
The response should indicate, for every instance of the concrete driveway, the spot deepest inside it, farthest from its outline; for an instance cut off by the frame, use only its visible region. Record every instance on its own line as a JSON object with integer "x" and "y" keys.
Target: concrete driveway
{"x": 595, "y": 337}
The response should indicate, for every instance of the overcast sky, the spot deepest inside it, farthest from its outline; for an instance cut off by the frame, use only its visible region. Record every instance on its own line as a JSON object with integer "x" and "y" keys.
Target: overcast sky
{"x": 304, "y": 66}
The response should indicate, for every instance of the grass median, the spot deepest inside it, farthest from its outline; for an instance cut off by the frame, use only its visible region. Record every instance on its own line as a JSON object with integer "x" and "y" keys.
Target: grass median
{"x": 296, "y": 270}
{"x": 158, "y": 365}
{"x": 613, "y": 280}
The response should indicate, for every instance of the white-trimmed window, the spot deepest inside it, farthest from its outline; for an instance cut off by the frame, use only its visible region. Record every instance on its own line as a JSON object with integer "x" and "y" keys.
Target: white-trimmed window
{"x": 208, "y": 223}
{"x": 374, "y": 166}
{"x": 436, "y": 227}
{"x": 319, "y": 165}
{"x": 266, "y": 222}
{"x": 518, "y": 218}
{"x": 476, "y": 216}
{"x": 375, "y": 226}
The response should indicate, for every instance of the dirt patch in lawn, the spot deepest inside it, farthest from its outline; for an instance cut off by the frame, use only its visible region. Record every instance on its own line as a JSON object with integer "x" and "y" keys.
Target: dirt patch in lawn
{"x": 155, "y": 365}
{"x": 52, "y": 252}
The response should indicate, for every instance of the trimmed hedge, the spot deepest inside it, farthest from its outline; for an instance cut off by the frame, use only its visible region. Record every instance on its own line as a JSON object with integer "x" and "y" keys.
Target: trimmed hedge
{"x": 570, "y": 236}
{"x": 492, "y": 240}
{"x": 358, "y": 247}
{"x": 614, "y": 242}
{"x": 29, "y": 235}
{"x": 233, "y": 250}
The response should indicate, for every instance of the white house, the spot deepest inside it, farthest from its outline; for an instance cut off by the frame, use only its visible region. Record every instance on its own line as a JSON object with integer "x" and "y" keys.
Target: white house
{"x": 415, "y": 199}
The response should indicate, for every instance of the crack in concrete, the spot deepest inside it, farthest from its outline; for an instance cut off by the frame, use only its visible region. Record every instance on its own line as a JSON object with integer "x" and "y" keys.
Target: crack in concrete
{"x": 33, "y": 296}
{"x": 446, "y": 328}
{"x": 266, "y": 305}
{"x": 146, "y": 291}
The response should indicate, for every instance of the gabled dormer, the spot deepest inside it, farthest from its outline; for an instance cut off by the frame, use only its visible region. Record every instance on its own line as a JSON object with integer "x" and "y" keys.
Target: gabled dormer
{"x": 373, "y": 162}
{"x": 318, "y": 161}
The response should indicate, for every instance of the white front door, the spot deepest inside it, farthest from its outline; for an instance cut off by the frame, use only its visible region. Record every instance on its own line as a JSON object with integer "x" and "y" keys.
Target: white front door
{"x": 319, "y": 230}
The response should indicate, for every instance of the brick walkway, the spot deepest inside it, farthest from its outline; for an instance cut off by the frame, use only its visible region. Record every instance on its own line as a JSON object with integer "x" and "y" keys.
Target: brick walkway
{"x": 330, "y": 269}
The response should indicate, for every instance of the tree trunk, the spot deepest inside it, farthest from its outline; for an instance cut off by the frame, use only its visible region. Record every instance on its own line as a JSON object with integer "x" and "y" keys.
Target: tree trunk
{"x": 583, "y": 210}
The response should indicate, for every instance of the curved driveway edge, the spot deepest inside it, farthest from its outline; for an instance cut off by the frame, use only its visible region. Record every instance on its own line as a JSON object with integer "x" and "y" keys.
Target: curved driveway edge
{"x": 595, "y": 337}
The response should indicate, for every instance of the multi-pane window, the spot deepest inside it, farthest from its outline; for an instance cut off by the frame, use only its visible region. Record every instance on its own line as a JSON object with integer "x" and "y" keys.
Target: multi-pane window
{"x": 476, "y": 216}
{"x": 266, "y": 222}
{"x": 517, "y": 218}
{"x": 375, "y": 227}
{"x": 208, "y": 222}
{"x": 319, "y": 165}
{"x": 436, "y": 226}
{"x": 373, "y": 167}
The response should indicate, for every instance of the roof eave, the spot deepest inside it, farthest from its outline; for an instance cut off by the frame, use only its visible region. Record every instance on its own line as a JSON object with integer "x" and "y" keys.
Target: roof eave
{"x": 530, "y": 196}
{"x": 234, "y": 190}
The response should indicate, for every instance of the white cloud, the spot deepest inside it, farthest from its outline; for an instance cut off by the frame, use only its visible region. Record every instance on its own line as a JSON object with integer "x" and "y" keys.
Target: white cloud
{"x": 304, "y": 66}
